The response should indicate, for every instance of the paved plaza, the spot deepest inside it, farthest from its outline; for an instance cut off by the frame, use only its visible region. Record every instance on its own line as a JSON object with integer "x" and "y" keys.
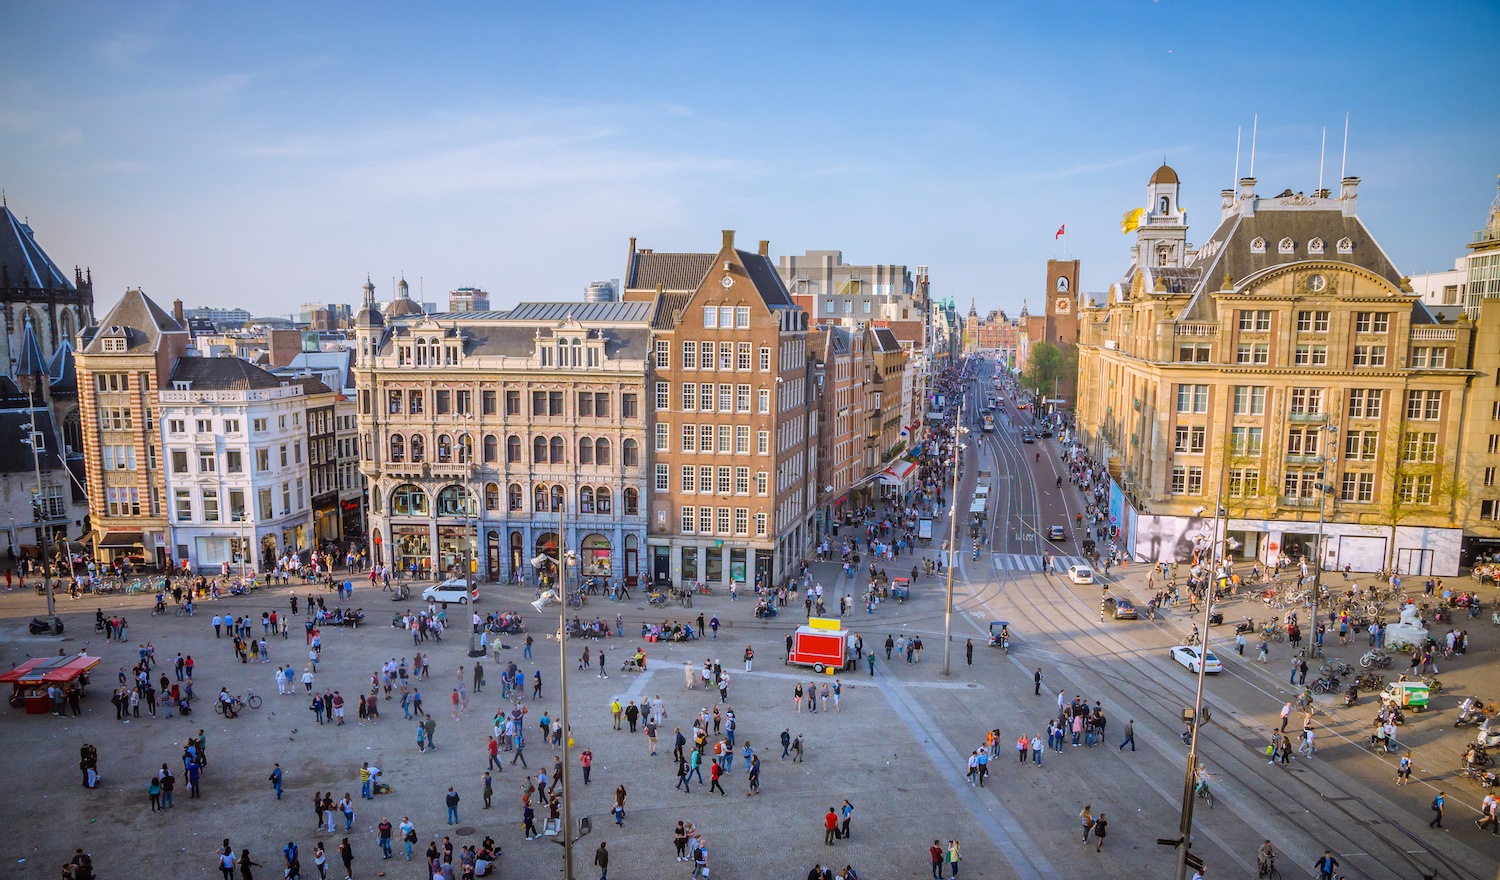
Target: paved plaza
{"x": 896, "y": 750}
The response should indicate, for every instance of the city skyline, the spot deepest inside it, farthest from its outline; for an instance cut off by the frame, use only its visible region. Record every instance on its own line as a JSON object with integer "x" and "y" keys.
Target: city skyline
{"x": 227, "y": 158}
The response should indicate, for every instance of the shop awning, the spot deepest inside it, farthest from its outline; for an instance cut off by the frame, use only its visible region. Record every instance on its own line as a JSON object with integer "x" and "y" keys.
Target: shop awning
{"x": 121, "y": 540}
{"x": 898, "y": 473}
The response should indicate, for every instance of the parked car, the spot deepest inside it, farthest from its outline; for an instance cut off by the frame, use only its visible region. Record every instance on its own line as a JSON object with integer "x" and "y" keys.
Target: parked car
{"x": 1080, "y": 574}
{"x": 456, "y": 590}
{"x": 1192, "y": 657}
{"x": 1120, "y": 608}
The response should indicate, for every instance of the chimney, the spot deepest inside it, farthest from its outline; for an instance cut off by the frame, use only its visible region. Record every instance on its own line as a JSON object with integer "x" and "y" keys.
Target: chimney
{"x": 177, "y": 312}
{"x": 728, "y": 238}
{"x": 1247, "y": 187}
{"x": 765, "y": 248}
{"x": 1349, "y": 194}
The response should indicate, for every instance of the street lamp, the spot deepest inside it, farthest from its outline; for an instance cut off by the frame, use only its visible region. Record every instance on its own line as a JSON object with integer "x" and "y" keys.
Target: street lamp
{"x": 562, "y": 645}
{"x": 1324, "y": 487}
{"x": 958, "y": 431}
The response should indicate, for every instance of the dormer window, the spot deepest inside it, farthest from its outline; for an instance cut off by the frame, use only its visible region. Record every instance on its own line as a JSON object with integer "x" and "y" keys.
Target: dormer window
{"x": 1346, "y": 246}
{"x": 114, "y": 344}
{"x": 1315, "y": 246}
{"x": 1286, "y": 246}
{"x": 1257, "y": 245}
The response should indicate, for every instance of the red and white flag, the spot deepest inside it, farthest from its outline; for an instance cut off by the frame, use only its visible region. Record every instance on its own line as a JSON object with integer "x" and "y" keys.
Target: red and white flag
{"x": 1061, "y": 231}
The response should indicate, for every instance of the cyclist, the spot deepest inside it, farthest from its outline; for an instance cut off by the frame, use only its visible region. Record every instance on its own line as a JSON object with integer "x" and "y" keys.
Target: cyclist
{"x": 227, "y": 702}
{"x": 161, "y": 603}
{"x": 1265, "y": 859}
{"x": 1201, "y": 789}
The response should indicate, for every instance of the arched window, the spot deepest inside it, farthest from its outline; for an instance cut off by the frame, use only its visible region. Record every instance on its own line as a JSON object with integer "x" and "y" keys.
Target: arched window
{"x": 1163, "y": 205}
{"x": 408, "y": 500}
{"x": 601, "y": 451}
{"x": 491, "y": 449}
{"x": 603, "y": 503}
{"x": 1286, "y": 246}
{"x": 559, "y": 499}
{"x": 585, "y": 450}
{"x": 539, "y": 450}
{"x": 585, "y": 500}
{"x": 444, "y": 449}
{"x": 465, "y": 449}
{"x": 513, "y": 449}
{"x": 1062, "y": 285}
{"x": 418, "y": 449}
{"x": 632, "y": 502}
{"x": 557, "y": 450}
{"x": 455, "y": 501}
{"x": 539, "y": 499}
{"x": 398, "y": 448}
{"x": 630, "y": 456}
{"x": 491, "y": 496}
{"x": 513, "y": 497}
{"x": 1163, "y": 254}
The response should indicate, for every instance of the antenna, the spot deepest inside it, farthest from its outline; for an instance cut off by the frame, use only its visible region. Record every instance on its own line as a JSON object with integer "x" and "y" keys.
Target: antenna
{"x": 1344, "y": 162}
{"x": 1238, "y": 131}
{"x": 1254, "y": 128}
{"x": 1322, "y": 148}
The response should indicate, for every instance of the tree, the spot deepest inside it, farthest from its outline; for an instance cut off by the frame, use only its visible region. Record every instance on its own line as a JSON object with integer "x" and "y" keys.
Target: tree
{"x": 1048, "y": 366}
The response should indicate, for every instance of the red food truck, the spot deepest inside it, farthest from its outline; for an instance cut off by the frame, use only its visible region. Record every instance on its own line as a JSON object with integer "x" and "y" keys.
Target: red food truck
{"x": 822, "y": 644}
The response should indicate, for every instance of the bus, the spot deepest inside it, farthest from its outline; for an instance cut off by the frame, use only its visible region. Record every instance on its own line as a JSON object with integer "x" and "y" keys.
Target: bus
{"x": 989, "y": 424}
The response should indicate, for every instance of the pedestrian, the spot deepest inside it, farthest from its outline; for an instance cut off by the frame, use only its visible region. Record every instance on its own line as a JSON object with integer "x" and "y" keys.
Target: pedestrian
{"x": 346, "y": 855}
{"x": 586, "y": 761}
{"x": 487, "y": 783}
{"x": 1086, "y": 819}
{"x": 830, "y": 827}
{"x": 1437, "y": 810}
{"x": 384, "y": 836}
{"x": 1036, "y": 679}
{"x": 969, "y": 652}
{"x": 953, "y": 858}
{"x": 937, "y": 854}
{"x": 601, "y": 860}
{"x": 1129, "y": 735}
{"x": 276, "y": 777}
{"x": 452, "y": 801}
{"x": 1099, "y": 829}
{"x": 1403, "y": 772}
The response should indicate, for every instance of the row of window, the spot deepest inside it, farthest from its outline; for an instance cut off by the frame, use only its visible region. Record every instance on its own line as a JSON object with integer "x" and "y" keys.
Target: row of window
{"x": 717, "y": 521}
{"x": 721, "y": 439}
{"x": 1259, "y": 321}
{"x": 1356, "y": 487}
{"x": 460, "y": 401}
{"x": 544, "y": 450}
{"x": 293, "y": 499}
{"x": 413, "y": 500}
{"x": 1423, "y": 405}
{"x": 1314, "y": 355}
{"x": 721, "y": 480}
{"x": 700, "y": 355}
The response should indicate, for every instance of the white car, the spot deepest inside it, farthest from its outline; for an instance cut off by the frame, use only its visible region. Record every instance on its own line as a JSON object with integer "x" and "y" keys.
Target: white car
{"x": 1081, "y": 574}
{"x": 456, "y": 590}
{"x": 1188, "y": 655}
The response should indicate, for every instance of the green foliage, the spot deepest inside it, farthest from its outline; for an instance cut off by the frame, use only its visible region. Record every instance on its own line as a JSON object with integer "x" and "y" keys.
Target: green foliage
{"x": 1048, "y": 365}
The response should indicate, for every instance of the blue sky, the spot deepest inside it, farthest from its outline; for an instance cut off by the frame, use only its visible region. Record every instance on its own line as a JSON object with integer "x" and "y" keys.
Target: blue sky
{"x": 270, "y": 154}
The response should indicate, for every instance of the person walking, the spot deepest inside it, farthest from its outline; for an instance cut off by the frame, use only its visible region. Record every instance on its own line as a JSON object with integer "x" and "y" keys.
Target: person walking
{"x": 276, "y": 777}
{"x": 1325, "y": 865}
{"x": 1036, "y": 680}
{"x": 969, "y": 652}
{"x": 1100, "y": 824}
{"x": 487, "y": 783}
{"x": 408, "y": 835}
{"x": 346, "y": 855}
{"x": 714, "y": 772}
{"x": 384, "y": 837}
{"x": 1129, "y": 735}
{"x": 1437, "y": 810}
{"x": 1086, "y": 819}
{"x": 601, "y": 860}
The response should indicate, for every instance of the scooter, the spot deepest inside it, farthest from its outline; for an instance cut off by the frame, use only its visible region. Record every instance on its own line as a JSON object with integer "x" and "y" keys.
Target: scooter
{"x": 1470, "y": 711}
{"x": 1488, "y": 736}
{"x": 1246, "y": 628}
{"x": 1351, "y": 695}
{"x": 41, "y": 627}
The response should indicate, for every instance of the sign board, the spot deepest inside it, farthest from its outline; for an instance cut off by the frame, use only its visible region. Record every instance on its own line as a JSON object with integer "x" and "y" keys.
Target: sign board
{"x": 827, "y": 623}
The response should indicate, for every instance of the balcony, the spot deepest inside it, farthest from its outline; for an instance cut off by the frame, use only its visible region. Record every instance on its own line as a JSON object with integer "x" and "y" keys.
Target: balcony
{"x": 1297, "y": 501}
{"x": 1439, "y": 334}
{"x": 1307, "y": 417}
{"x": 1195, "y": 328}
{"x": 1291, "y": 458}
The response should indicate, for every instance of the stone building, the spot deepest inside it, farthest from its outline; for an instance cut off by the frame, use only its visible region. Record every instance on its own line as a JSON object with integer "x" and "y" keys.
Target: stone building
{"x": 1284, "y": 372}
{"x": 482, "y": 433}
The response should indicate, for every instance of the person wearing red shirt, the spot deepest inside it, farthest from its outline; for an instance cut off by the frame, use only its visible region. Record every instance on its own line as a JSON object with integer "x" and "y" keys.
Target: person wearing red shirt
{"x": 830, "y": 825}
{"x": 936, "y": 853}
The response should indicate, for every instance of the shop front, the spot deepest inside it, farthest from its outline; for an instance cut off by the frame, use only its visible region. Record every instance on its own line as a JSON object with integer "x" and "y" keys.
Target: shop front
{"x": 411, "y": 548}
{"x": 594, "y": 556}
{"x": 455, "y": 548}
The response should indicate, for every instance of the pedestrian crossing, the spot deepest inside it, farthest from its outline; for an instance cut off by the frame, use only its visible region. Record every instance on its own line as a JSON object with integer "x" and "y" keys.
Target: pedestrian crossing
{"x": 1032, "y": 562}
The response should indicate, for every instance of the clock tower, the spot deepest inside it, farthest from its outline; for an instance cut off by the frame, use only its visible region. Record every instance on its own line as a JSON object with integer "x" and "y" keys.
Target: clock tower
{"x": 1062, "y": 302}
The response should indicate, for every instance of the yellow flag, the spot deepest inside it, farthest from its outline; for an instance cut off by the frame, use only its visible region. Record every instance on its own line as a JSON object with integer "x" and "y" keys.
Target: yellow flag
{"x": 1132, "y": 220}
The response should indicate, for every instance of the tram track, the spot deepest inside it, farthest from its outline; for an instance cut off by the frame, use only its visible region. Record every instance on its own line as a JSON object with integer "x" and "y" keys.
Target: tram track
{"x": 1325, "y": 812}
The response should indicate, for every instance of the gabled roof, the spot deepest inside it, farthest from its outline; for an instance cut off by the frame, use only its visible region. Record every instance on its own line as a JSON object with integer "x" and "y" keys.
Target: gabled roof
{"x": 677, "y": 273}
{"x": 631, "y": 312}
{"x": 63, "y": 369}
{"x": 766, "y": 279}
{"x": 222, "y": 374}
{"x": 885, "y": 340}
{"x": 141, "y": 321}
{"x": 23, "y": 262}
{"x": 29, "y": 361}
{"x": 668, "y": 306}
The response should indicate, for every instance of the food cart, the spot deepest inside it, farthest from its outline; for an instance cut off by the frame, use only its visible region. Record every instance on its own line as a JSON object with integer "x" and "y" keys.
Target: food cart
{"x": 30, "y": 680}
{"x": 821, "y": 643}
{"x": 1406, "y": 694}
{"x": 901, "y": 589}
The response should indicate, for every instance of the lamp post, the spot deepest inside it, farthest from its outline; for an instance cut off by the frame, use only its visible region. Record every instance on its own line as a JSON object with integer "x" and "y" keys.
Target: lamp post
{"x": 567, "y": 837}
{"x": 1324, "y": 487}
{"x": 958, "y": 431}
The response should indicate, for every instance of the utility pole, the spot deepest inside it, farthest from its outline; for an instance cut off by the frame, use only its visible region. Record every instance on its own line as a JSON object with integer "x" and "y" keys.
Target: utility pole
{"x": 958, "y": 431}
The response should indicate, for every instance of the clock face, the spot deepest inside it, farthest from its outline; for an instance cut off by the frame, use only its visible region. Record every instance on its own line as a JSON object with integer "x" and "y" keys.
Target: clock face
{"x": 1316, "y": 283}
{"x": 1062, "y": 304}
{"x": 726, "y": 282}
